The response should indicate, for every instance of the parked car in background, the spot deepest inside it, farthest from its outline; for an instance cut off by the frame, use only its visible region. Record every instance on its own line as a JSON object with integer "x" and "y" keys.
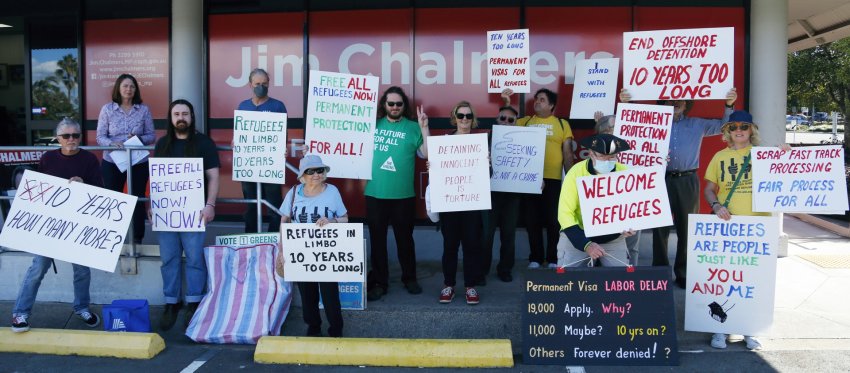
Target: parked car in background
{"x": 800, "y": 121}
{"x": 820, "y": 117}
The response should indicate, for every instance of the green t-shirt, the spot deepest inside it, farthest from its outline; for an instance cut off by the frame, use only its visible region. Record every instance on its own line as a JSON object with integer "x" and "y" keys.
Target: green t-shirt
{"x": 394, "y": 159}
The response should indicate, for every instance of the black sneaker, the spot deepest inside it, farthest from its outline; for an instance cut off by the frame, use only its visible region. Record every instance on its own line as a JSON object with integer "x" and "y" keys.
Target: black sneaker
{"x": 89, "y": 318}
{"x": 375, "y": 293}
{"x": 506, "y": 277}
{"x": 20, "y": 324}
{"x": 314, "y": 331}
{"x": 413, "y": 287}
{"x": 190, "y": 312}
{"x": 169, "y": 316}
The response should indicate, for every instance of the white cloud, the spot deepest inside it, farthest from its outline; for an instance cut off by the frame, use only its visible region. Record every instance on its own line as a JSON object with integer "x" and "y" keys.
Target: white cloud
{"x": 41, "y": 70}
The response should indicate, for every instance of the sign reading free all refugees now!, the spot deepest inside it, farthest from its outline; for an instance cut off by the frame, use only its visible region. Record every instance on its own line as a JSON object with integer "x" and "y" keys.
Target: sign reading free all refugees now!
{"x": 259, "y": 146}
{"x": 177, "y": 194}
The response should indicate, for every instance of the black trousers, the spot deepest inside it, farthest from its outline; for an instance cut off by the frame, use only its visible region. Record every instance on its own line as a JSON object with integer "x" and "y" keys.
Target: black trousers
{"x": 114, "y": 179}
{"x": 380, "y": 213}
{"x": 310, "y": 303}
{"x": 683, "y": 192}
{"x": 271, "y": 193}
{"x": 461, "y": 228}
{"x": 504, "y": 215}
{"x": 541, "y": 210}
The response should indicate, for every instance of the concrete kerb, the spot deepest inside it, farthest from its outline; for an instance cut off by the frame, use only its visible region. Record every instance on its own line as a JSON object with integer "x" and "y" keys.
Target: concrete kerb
{"x": 82, "y": 342}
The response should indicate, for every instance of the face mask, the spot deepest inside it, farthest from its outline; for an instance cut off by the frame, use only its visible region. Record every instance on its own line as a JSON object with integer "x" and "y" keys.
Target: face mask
{"x": 603, "y": 167}
{"x": 261, "y": 91}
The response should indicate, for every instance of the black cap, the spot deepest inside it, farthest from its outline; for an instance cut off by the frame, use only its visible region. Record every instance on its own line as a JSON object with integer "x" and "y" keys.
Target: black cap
{"x": 606, "y": 144}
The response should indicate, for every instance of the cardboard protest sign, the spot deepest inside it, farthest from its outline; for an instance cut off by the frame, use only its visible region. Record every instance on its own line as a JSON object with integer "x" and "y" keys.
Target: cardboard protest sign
{"x": 595, "y": 87}
{"x": 647, "y": 130}
{"x": 68, "y": 221}
{"x": 688, "y": 64}
{"x": 599, "y": 316}
{"x": 459, "y": 172}
{"x": 731, "y": 278}
{"x": 259, "y": 146}
{"x": 809, "y": 179}
{"x": 341, "y": 110}
{"x": 517, "y": 158}
{"x": 622, "y": 200}
{"x": 333, "y": 253}
{"x": 507, "y": 61}
{"x": 177, "y": 194}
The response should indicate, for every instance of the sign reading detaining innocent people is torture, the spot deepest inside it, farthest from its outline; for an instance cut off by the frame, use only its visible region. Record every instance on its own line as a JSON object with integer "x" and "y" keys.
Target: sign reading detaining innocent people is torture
{"x": 507, "y": 61}
{"x": 177, "y": 194}
{"x": 69, "y": 221}
{"x": 259, "y": 146}
{"x": 459, "y": 173}
{"x": 517, "y": 159}
{"x": 688, "y": 64}
{"x": 647, "y": 130}
{"x": 595, "y": 87}
{"x": 332, "y": 253}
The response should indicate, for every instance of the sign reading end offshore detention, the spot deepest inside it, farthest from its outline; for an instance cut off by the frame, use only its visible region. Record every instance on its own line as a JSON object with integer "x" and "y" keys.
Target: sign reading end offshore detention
{"x": 507, "y": 61}
{"x": 259, "y": 146}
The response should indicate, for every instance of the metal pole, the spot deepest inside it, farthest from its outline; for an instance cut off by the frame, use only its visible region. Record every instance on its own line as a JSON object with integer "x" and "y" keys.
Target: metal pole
{"x": 132, "y": 253}
{"x": 259, "y": 208}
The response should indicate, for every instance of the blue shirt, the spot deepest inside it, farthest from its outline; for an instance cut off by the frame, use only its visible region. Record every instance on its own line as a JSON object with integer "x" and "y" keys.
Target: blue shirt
{"x": 271, "y": 105}
{"x": 686, "y": 139}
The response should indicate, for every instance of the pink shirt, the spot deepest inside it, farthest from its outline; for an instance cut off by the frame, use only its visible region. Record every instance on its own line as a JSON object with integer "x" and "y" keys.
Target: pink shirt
{"x": 113, "y": 124}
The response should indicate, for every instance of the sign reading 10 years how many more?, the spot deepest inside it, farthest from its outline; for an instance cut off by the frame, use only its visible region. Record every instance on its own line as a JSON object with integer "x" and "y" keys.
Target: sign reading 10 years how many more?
{"x": 599, "y": 316}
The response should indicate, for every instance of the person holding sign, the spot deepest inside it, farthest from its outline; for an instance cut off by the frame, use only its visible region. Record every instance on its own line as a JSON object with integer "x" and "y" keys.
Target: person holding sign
{"x": 682, "y": 182}
{"x": 120, "y": 120}
{"x": 183, "y": 141}
{"x": 258, "y": 80}
{"x": 315, "y": 201}
{"x": 575, "y": 247}
{"x": 77, "y": 165}
{"x": 390, "y": 198}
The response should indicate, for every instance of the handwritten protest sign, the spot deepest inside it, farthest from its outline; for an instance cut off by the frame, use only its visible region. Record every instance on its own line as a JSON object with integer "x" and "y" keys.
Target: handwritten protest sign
{"x": 731, "y": 276}
{"x": 809, "y": 179}
{"x": 595, "y": 87}
{"x": 177, "y": 194}
{"x": 689, "y": 64}
{"x": 619, "y": 201}
{"x": 507, "y": 61}
{"x": 69, "y": 221}
{"x": 517, "y": 159}
{"x": 647, "y": 130}
{"x": 459, "y": 173}
{"x": 599, "y": 316}
{"x": 259, "y": 146}
{"x": 341, "y": 111}
{"x": 332, "y": 253}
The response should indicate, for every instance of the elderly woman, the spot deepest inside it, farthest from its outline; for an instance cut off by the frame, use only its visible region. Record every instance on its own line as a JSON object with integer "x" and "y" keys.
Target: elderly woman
{"x": 314, "y": 201}
{"x": 119, "y": 121}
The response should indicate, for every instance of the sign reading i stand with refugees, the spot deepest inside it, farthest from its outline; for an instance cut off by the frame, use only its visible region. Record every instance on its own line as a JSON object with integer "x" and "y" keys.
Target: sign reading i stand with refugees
{"x": 341, "y": 111}
{"x": 507, "y": 61}
{"x": 647, "y": 130}
{"x": 688, "y": 64}
{"x": 259, "y": 146}
{"x": 731, "y": 279}
{"x": 595, "y": 87}
{"x": 599, "y": 316}
{"x": 177, "y": 194}
{"x": 517, "y": 159}
{"x": 69, "y": 221}
{"x": 459, "y": 172}
{"x": 809, "y": 179}
{"x": 332, "y": 253}
{"x": 622, "y": 200}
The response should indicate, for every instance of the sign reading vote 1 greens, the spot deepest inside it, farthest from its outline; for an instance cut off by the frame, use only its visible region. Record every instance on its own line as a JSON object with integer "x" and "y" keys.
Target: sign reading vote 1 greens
{"x": 599, "y": 316}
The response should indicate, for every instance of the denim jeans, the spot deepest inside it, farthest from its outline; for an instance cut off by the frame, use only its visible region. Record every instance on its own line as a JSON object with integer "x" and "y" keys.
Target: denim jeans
{"x": 171, "y": 247}
{"x": 29, "y": 289}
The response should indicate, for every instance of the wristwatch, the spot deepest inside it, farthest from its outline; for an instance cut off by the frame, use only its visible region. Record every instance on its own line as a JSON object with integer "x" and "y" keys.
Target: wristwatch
{"x": 712, "y": 204}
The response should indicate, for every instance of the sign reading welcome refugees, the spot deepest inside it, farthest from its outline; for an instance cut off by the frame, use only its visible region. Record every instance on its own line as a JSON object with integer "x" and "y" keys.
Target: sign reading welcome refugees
{"x": 341, "y": 111}
{"x": 809, "y": 179}
{"x": 595, "y": 87}
{"x": 517, "y": 159}
{"x": 69, "y": 221}
{"x": 647, "y": 130}
{"x": 177, "y": 194}
{"x": 688, "y": 64}
{"x": 507, "y": 61}
{"x": 731, "y": 278}
{"x": 333, "y": 253}
{"x": 459, "y": 173}
{"x": 259, "y": 146}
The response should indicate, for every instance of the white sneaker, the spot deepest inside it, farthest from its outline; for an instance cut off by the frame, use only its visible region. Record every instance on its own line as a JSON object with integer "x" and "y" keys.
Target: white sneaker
{"x": 533, "y": 265}
{"x": 734, "y": 338}
{"x": 553, "y": 265}
{"x": 753, "y": 343}
{"x": 718, "y": 340}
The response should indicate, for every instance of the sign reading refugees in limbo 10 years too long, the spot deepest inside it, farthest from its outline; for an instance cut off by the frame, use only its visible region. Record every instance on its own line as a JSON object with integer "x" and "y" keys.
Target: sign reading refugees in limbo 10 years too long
{"x": 731, "y": 274}
{"x": 809, "y": 179}
{"x": 647, "y": 130}
{"x": 517, "y": 157}
{"x": 333, "y": 253}
{"x": 341, "y": 111}
{"x": 599, "y": 316}
{"x": 690, "y": 64}
{"x": 177, "y": 194}
{"x": 259, "y": 146}
{"x": 459, "y": 172}
{"x": 69, "y": 221}
{"x": 507, "y": 61}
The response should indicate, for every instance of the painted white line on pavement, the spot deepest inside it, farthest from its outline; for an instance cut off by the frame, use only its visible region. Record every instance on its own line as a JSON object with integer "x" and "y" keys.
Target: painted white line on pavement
{"x": 191, "y": 368}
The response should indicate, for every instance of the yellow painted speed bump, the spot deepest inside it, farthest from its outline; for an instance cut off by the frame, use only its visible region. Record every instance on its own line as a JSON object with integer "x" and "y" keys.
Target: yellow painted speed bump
{"x": 82, "y": 342}
{"x": 450, "y": 353}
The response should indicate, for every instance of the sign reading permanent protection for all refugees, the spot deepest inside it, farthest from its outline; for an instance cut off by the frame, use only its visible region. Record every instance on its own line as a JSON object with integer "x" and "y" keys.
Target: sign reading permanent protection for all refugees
{"x": 517, "y": 159}
{"x": 731, "y": 276}
{"x": 595, "y": 87}
{"x": 647, "y": 130}
{"x": 259, "y": 146}
{"x": 459, "y": 173}
{"x": 809, "y": 179}
{"x": 622, "y": 200}
{"x": 69, "y": 221}
{"x": 340, "y": 128}
{"x": 333, "y": 253}
{"x": 599, "y": 316}
{"x": 507, "y": 61}
{"x": 689, "y": 64}
{"x": 177, "y": 194}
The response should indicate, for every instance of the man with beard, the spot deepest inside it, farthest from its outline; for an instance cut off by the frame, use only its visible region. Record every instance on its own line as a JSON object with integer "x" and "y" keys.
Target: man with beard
{"x": 390, "y": 198}
{"x": 182, "y": 141}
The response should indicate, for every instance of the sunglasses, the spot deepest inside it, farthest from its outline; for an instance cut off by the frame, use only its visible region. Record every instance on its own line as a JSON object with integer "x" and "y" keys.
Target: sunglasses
{"x": 507, "y": 119}
{"x": 395, "y": 103}
{"x": 460, "y": 116}
{"x": 67, "y": 136}
{"x": 312, "y": 171}
{"x": 735, "y": 127}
